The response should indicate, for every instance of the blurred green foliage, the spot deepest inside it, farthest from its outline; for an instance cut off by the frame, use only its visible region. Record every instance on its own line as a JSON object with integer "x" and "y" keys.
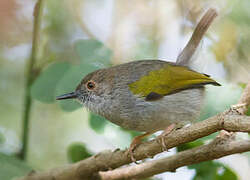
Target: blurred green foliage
{"x": 212, "y": 170}
{"x": 248, "y": 112}
{"x": 97, "y": 122}
{"x": 190, "y": 145}
{"x": 77, "y": 152}
{"x": 2, "y": 139}
{"x": 60, "y": 26}
{"x": 62, "y": 77}
{"x": 68, "y": 83}
{"x": 62, "y": 71}
{"x": 43, "y": 89}
{"x": 209, "y": 170}
{"x": 93, "y": 52}
{"x": 240, "y": 13}
{"x": 11, "y": 167}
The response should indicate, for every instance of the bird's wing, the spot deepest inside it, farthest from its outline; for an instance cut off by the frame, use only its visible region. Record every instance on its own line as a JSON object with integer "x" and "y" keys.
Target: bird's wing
{"x": 168, "y": 80}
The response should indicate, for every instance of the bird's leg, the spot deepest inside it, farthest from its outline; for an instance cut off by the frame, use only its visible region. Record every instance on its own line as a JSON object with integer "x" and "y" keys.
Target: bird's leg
{"x": 166, "y": 132}
{"x": 136, "y": 141}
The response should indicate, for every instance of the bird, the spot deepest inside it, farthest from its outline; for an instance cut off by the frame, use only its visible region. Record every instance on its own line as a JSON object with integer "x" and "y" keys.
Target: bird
{"x": 148, "y": 95}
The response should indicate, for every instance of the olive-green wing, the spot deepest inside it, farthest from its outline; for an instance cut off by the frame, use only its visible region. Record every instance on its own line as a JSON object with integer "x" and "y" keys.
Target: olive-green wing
{"x": 168, "y": 80}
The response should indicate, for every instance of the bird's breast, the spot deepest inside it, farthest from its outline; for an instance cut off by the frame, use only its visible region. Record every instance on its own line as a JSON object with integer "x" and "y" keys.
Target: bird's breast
{"x": 132, "y": 112}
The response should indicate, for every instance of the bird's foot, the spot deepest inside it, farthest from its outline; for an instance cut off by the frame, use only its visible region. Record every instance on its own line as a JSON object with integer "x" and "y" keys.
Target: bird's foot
{"x": 136, "y": 141}
{"x": 161, "y": 141}
{"x": 131, "y": 152}
{"x": 166, "y": 132}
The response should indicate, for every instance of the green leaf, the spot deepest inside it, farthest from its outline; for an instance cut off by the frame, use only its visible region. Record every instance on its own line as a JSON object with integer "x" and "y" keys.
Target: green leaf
{"x": 43, "y": 89}
{"x": 93, "y": 54}
{"x": 97, "y": 123}
{"x": 77, "y": 152}
{"x": 242, "y": 85}
{"x": 209, "y": 137}
{"x": 204, "y": 170}
{"x": 226, "y": 174}
{"x": 248, "y": 112}
{"x": 69, "y": 83}
{"x": 240, "y": 13}
{"x": 93, "y": 51}
{"x": 211, "y": 170}
{"x": 2, "y": 139}
{"x": 189, "y": 145}
{"x": 12, "y": 167}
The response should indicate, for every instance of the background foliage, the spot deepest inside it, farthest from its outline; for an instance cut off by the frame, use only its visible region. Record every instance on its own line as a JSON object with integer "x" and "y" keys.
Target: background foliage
{"x": 78, "y": 37}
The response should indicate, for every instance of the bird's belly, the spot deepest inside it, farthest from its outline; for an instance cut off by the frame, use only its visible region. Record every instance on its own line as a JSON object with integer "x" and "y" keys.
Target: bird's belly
{"x": 147, "y": 116}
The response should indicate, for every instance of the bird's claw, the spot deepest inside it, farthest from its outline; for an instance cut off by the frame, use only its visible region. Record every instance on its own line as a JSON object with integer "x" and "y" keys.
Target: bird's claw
{"x": 161, "y": 138}
{"x": 130, "y": 153}
{"x": 136, "y": 141}
{"x": 161, "y": 141}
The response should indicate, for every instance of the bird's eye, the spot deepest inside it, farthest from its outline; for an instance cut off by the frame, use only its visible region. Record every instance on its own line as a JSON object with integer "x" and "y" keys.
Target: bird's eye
{"x": 90, "y": 85}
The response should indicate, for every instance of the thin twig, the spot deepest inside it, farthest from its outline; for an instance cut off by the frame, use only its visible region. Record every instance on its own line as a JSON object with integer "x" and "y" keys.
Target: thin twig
{"x": 30, "y": 77}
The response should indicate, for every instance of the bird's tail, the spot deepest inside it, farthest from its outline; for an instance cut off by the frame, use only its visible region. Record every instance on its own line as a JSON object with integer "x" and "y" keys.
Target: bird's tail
{"x": 184, "y": 57}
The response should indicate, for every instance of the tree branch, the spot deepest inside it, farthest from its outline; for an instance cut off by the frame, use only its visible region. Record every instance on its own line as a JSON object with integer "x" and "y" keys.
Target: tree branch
{"x": 216, "y": 149}
{"x": 244, "y": 102}
{"x": 109, "y": 160}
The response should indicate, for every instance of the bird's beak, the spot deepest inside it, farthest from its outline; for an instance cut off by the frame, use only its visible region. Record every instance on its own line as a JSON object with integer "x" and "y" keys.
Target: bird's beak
{"x": 71, "y": 95}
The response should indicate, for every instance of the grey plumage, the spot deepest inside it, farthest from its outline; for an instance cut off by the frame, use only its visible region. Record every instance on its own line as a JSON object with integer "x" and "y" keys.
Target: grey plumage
{"x": 113, "y": 99}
